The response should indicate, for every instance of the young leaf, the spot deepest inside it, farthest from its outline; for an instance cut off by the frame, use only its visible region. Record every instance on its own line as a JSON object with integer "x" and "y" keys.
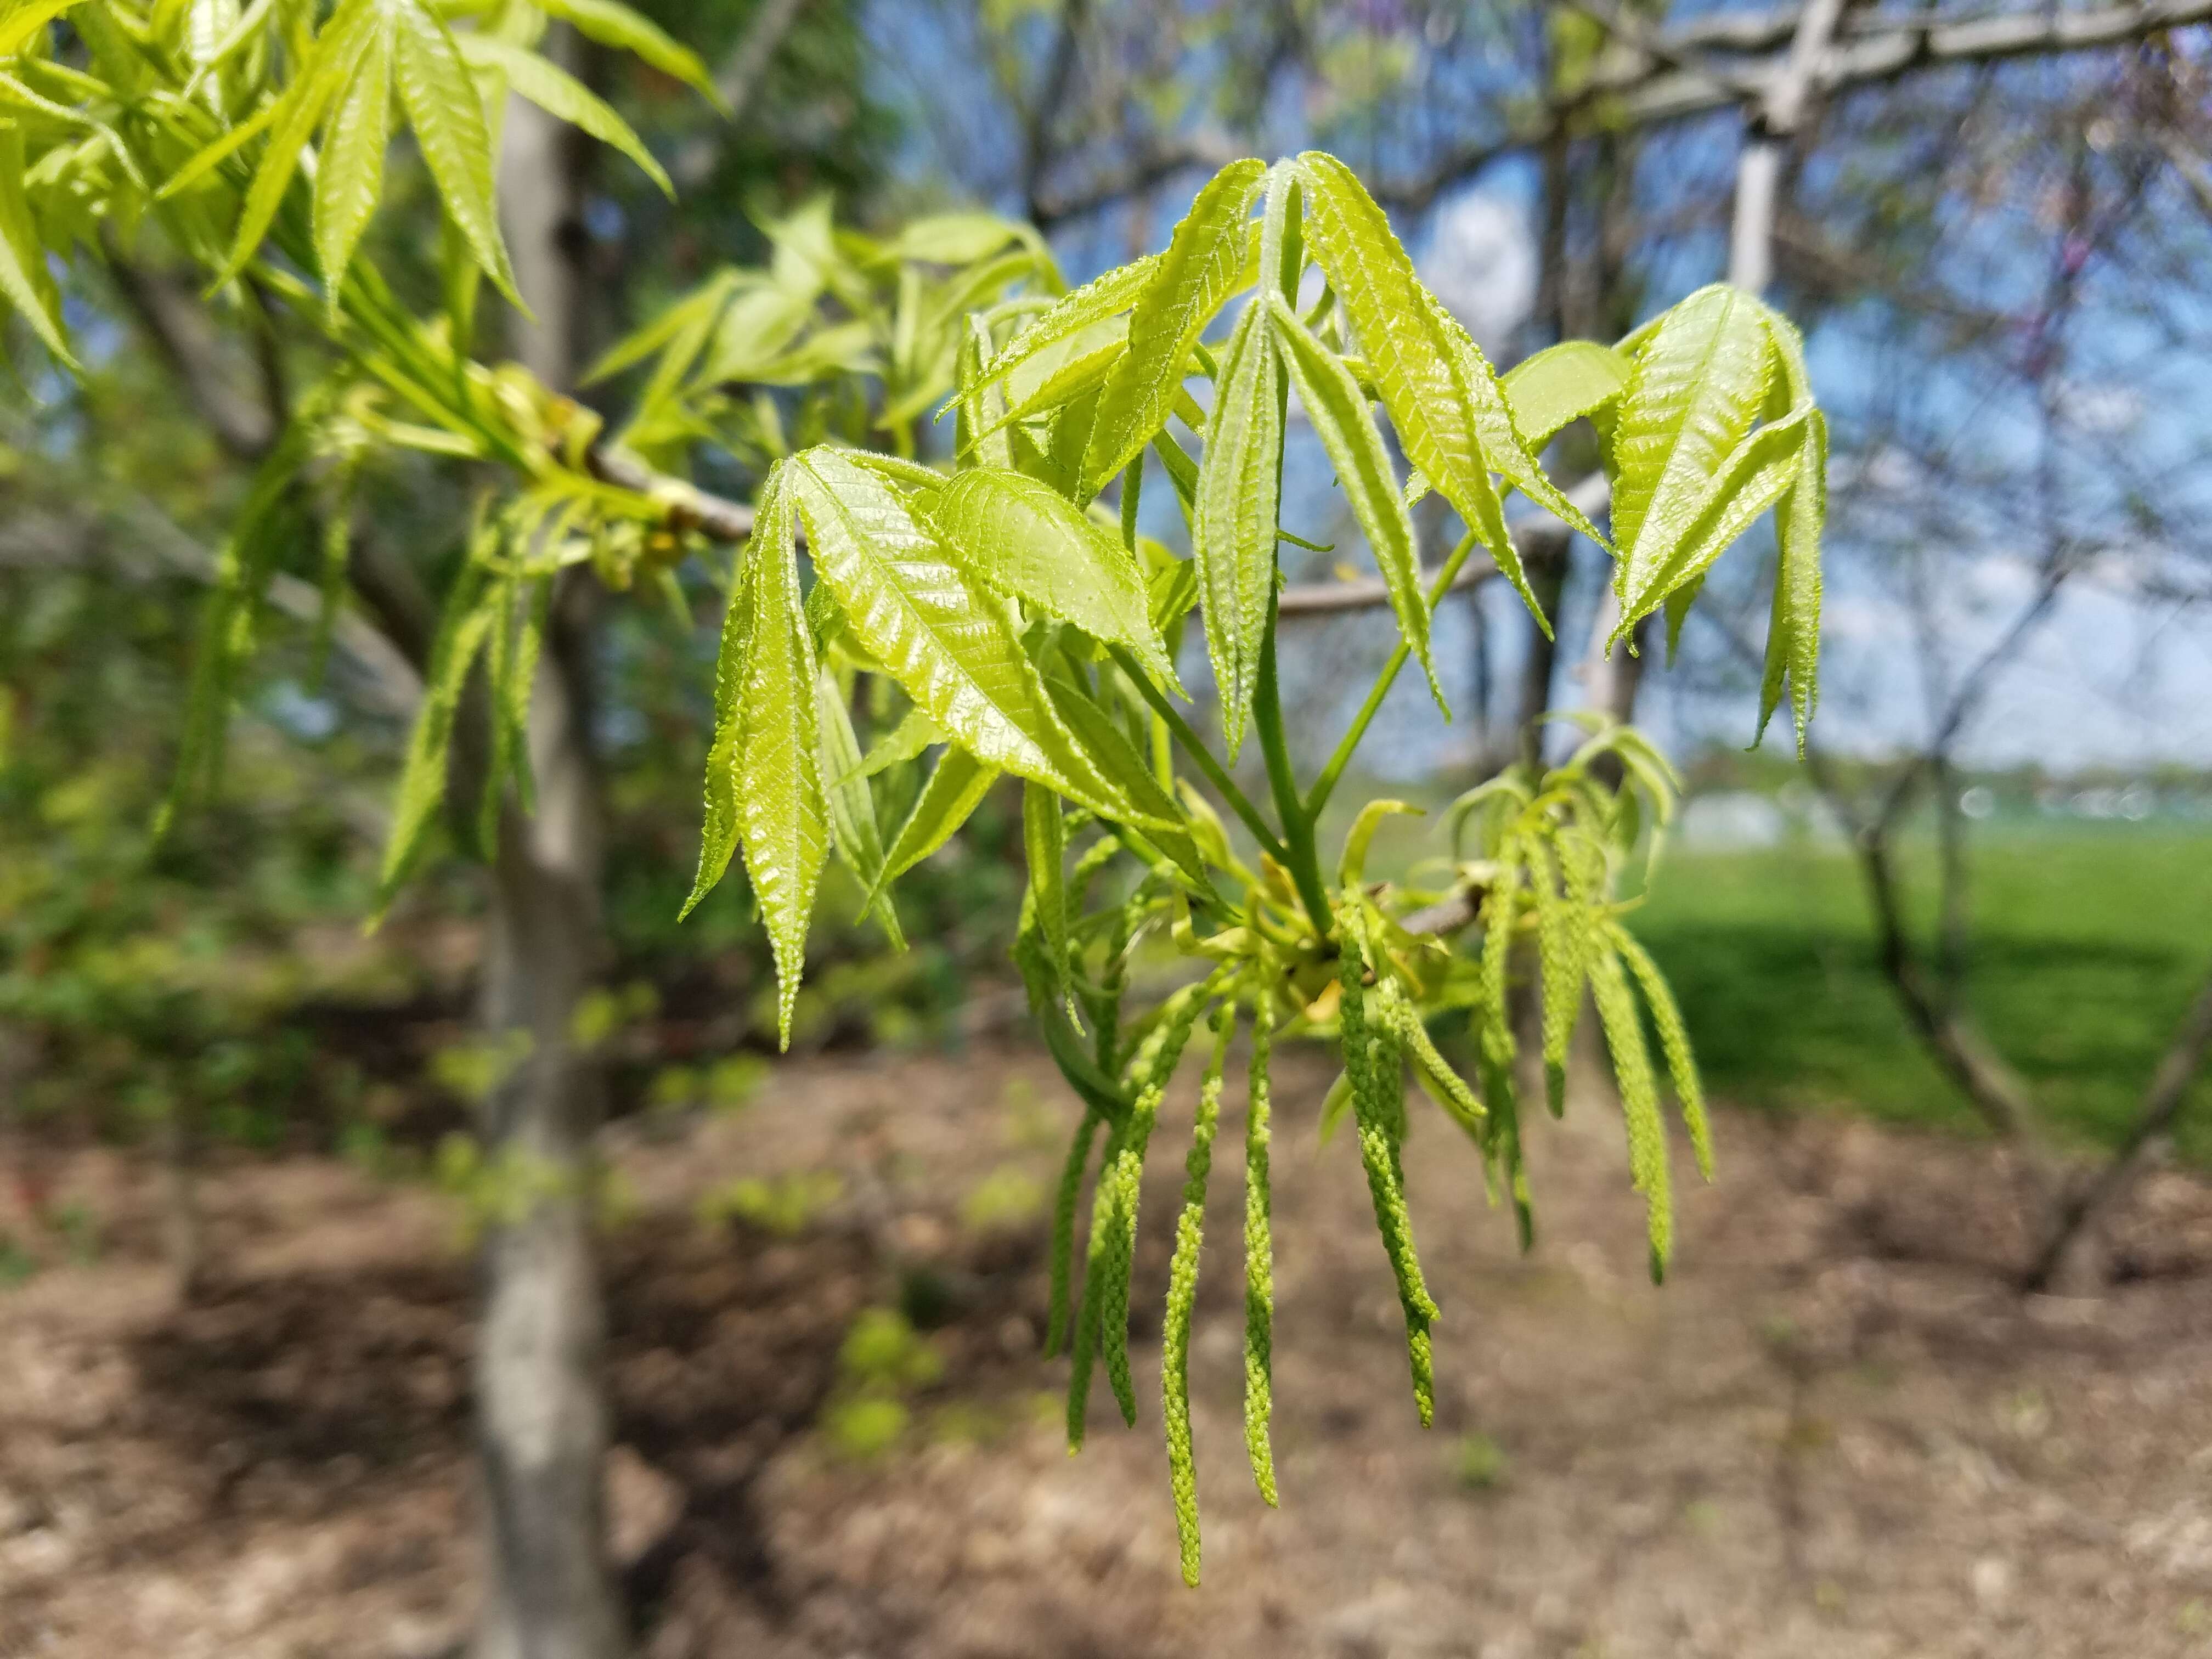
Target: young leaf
{"x": 1337, "y": 410}
{"x": 1563, "y": 383}
{"x": 318, "y": 80}
{"x": 948, "y": 643}
{"x": 1044, "y": 842}
{"x": 1095, "y": 302}
{"x": 471, "y": 611}
{"x": 1752, "y": 478}
{"x": 442, "y": 106}
{"x": 1203, "y": 266}
{"x": 853, "y": 824}
{"x": 1504, "y": 446}
{"x": 1793, "y": 636}
{"x": 1019, "y": 536}
{"x": 1450, "y": 414}
{"x": 560, "y": 94}
{"x": 614, "y": 25}
{"x": 25, "y": 282}
{"x": 1234, "y": 528}
{"x": 955, "y": 788}
{"x": 1697, "y": 387}
{"x": 349, "y": 173}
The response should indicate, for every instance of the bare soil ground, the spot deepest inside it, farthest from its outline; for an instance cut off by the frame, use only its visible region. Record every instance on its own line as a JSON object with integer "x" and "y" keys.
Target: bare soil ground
{"x": 1835, "y": 1432}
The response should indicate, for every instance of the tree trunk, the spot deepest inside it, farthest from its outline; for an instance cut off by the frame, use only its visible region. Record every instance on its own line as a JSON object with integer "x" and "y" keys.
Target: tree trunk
{"x": 542, "y": 1418}
{"x": 541, "y": 1414}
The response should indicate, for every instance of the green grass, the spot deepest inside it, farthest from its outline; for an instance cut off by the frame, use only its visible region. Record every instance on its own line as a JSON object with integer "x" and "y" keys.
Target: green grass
{"x": 2088, "y": 945}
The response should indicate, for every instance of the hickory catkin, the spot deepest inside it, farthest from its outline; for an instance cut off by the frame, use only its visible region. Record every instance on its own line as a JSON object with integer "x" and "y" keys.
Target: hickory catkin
{"x": 1259, "y": 1259}
{"x": 1182, "y": 1295}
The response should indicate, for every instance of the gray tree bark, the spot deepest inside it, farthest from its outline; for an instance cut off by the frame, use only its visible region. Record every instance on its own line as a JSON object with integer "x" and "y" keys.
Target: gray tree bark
{"x": 542, "y": 1413}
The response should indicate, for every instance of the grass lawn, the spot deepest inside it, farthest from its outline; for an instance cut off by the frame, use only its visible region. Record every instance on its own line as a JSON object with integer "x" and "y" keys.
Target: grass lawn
{"x": 2088, "y": 943}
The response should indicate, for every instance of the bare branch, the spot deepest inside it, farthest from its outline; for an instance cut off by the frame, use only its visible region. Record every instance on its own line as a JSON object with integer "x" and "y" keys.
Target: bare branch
{"x": 1643, "y": 88}
{"x": 2169, "y": 1087}
{"x": 185, "y": 338}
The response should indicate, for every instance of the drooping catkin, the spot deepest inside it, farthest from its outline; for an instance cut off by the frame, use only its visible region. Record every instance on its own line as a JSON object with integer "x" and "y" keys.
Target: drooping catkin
{"x": 1372, "y": 1061}
{"x": 1063, "y": 1228}
{"x": 1182, "y": 1295}
{"x": 1449, "y": 1089}
{"x": 1560, "y": 952}
{"x": 1108, "y": 1285}
{"x": 1260, "y": 1259}
{"x": 1640, "y": 1101}
{"x": 1084, "y": 1349}
{"x": 1674, "y": 1042}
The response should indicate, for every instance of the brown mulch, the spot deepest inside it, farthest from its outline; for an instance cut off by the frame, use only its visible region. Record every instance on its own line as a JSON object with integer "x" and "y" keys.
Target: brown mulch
{"x": 1835, "y": 1432}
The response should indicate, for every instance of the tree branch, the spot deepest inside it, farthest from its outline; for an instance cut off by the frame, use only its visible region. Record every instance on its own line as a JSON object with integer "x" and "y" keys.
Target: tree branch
{"x": 2161, "y": 1101}
{"x": 185, "y": 338}
{"x": 1644, "y": 88}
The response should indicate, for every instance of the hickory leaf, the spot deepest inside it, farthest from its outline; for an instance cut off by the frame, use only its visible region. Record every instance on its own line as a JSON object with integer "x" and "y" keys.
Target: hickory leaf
{"x": 350, "y": 173}
{"x": 560, "y": 94}
{"x": 1019, "y": 536}
{"x": 947, "y": 640}
{"x": 1337, "y": 410}
{"x": 614, "y": 25}
{"x": 441, "y": 100}
{"x": 764, "y": 790}
{"x": 1205, "y": 264}
{"x": 1234, "y": 526}
{"x": 1563, "y": 383}
{"x": 1697, "y": 385}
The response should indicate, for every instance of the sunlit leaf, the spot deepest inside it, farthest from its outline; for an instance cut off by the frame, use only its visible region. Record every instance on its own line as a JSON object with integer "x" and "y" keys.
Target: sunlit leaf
{"x": 612, "y": 24}
{"x": 441, "y": 100}
{"x": 1205, "y": 264}
{"x": 560, "y": 94}
{"x": 1697, "y": 385}
{"x": 1234, "y": 528}
{"x": 349, "y": 173}
{"x": 1019, "y": 536}
{"x": 1337, "y": 410}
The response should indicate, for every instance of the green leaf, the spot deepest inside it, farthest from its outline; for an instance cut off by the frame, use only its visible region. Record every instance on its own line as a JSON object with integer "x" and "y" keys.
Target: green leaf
{"x": 1234, "y": 527}
{"x": 441, "y": 100}
{"x": 1095, "y": 302}
{"x": 1503, "y": 448}
{"x": 471, "y": 610}
{"x": 1690, "y": 400}
{"x": 1352, "y": 867}
{"x": 1563, "y": 383}
{"x": 25, "y": 282}
{"x": 905, "y": 741}
{"x": 853, "y": 823}
{"x": 300, "y": 110}
{"x": 1450, "y": 414}
{"x": 1339, "y": 411}
{"x": 1162, "y": 817}
{"x": 1044, "y": 842}
{"x": 1752, "y": 478}
{"x": 349, "y": 173}
{"x": 955, "y": 239}
{"x": 763, "y": 775}
{"x": 1017, "y": 535}
{"x": 1793, "y": 635}
{"x": 979, "y": 437}
{"x": 955, "y": 788}
{"x": 1204, "y": 264}
{"x": 26, "y": 22}
{"x": 948, "y": 643}
{"x": 612, "y": 24}
{"x": 562, "y": 96}
{"x": 206, "y": 161}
